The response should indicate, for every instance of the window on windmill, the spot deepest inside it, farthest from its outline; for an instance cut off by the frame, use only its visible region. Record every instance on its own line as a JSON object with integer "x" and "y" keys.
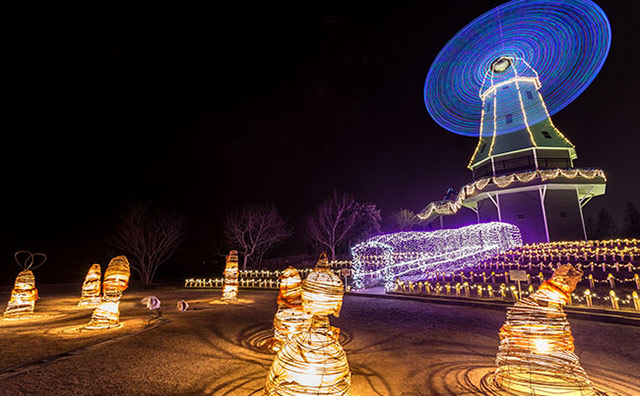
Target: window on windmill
{"x": 529, "y": 95}
{"x": 546, "y": 134}
{"x": 488, "y": 106}
{"x": 505, "y": 87}
{"x": 482, "y": 147}
{"x": 563, "y": 214}
{"x": 509, "y": 118}
{"x": 520, "y": 216}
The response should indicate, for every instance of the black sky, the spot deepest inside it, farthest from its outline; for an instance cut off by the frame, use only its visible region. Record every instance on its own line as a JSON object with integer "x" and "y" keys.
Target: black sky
{"x": 203, "y": 110}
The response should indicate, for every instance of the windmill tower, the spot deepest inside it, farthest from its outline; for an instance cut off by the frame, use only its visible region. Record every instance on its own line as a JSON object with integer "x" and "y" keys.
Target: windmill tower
{"x": 501, "y": 78}
{"x": 544, "y": 210}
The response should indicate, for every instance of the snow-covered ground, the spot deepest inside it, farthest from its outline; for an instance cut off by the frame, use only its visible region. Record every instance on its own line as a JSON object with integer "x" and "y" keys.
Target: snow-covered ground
{"x": 394, "y": 347}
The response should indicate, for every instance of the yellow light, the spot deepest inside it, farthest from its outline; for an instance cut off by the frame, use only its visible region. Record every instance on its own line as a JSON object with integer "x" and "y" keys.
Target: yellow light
{"x": 313, "y": 362}
{"x": 290, "y": 288}
{"x": 290, "y": 318}
{"x": 23, "y": 296}
{"x": 536, "y": 353}
{"x": 230, "y": 288}
{"x": 542, "y": 346}
{"x": 116, "y": 280}
{"x": 322, "y": 291}
{"x": 91, "y": 287}
{"x": 24, "y": 293}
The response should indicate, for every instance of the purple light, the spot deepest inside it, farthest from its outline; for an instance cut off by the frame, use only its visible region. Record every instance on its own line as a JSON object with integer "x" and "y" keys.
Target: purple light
{"x": 416, "y": 254}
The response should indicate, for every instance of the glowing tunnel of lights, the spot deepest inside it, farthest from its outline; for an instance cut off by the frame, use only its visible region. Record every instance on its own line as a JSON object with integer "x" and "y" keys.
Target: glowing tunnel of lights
{"x": 566, "y": 42}
{"x": 413, "y": 255}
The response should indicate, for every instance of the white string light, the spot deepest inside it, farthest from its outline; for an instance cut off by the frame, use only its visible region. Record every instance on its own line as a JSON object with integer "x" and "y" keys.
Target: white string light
{"x": 412, "y": 254}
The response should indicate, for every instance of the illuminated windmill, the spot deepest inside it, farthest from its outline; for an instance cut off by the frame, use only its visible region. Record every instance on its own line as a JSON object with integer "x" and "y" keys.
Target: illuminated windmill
{"x": 501, "y": 78}
{"x": 24, "y": 293}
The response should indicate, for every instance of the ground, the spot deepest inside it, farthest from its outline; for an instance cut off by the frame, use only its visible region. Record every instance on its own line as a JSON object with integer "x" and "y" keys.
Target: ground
{"x": 394, "y": 347}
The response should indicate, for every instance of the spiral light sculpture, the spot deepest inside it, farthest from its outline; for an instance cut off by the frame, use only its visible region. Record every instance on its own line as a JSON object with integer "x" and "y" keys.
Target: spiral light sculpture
{"x": 290, "y": 288}
{"x": 91, "y": 287}
{"x": 313, "y": 362}
{"x": 116, "y": 280}
{"x": 322, "y": 290}
{"x": 536, "y": 353}
{"x": 565, "y": 41}
{"x": 230, "y": 288}
{"x": 24, "y": 293}
{"x": 290, "y": 318}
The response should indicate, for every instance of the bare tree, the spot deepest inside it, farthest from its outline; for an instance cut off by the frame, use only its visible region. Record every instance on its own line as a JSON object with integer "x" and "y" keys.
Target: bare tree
{"x": 404, "y": 220}
{"x": 631, "y": 221}
{"x": 149, "y": 237}
{"x": 255, "y": 228}
{"x": 340, "y": 219}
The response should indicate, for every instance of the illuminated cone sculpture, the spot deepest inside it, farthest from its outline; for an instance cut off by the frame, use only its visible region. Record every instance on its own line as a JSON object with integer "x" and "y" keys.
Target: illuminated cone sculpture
{"x": 313, "y": 362}
{"x": 536, "y": 353}
{"x": 116, "y": 280}
{"x": 23, "y": 296}
{"x": 230, "y": 288}
{"x": 91, "y": 287}
{"x": 290, "y": 318}
{"x": 24, "y": 293}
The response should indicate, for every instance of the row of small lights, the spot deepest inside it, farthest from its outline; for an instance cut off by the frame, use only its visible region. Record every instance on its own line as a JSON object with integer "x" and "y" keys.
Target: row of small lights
{"x": 588, "y": 296}
{"x": 611, "y": 279}
{"x": 592, "y": 266}
{"x": 258, "y": 278}
{"x": 450, "y": 207}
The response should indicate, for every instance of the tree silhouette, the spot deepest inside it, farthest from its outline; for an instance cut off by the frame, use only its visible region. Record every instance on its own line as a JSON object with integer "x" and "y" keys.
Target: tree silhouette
{"x": 340, "y": 220}
{"x": 149, "y": 237}
{"x": 403, "y": 220}
{"x": 606, "y": 226}
{"x": 255, "y": 229}
{"x": 590, "y": 228}
{"x": 631, "y": 221}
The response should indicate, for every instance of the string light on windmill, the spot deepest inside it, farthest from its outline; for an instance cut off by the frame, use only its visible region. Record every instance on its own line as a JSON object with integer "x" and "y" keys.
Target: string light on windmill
{"x": 313, "y": 362}
{"x": 24, "y": 293}
{"x": 290, "y": 318}
{"x": 116, "y": 280}
{"x": 91, "y": 287}
{"x": 230, "y": 288}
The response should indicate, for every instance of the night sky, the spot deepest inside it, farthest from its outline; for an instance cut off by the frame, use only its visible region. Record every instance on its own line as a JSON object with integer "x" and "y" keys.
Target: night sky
{"x": 204, "y": 110}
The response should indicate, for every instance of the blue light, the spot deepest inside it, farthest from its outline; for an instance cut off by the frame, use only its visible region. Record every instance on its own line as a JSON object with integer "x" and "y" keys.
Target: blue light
{"x": 565, "y": 42}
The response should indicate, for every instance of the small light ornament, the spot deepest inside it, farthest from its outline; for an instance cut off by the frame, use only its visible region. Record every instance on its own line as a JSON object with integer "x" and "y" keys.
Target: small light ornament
{"x": 290, "y": 318}
{"x": 536, "y": 353}
{"x": 24, "y": 294}
{"x": 182, "y": 306}
{"x": 230, "y": 288}
{"x": 153, "y": 304}
{"x": 116, "y": 280}
{"x": 91, "y": 288}
{"x": 313, "y": 362}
